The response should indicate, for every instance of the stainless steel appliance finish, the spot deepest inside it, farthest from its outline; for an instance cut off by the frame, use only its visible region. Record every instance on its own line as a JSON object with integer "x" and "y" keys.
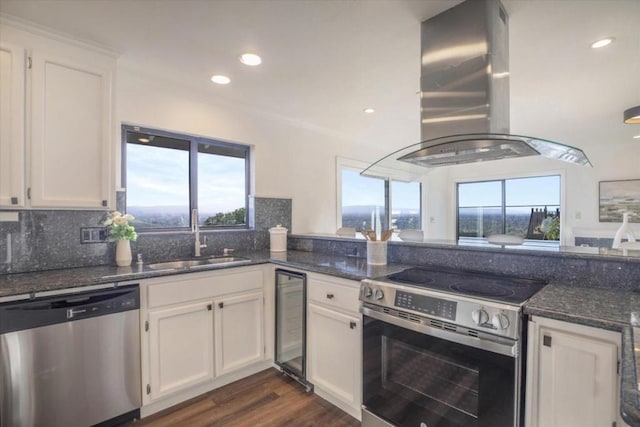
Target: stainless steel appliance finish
{"x": 291, "y": 322}
{"x": 465, "y": 95}
{"x": 444, "y": 348}
{"x": 70, "y": 360}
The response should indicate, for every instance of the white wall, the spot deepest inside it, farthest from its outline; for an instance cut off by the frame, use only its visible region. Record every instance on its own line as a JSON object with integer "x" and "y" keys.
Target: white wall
{"x": 580, "y": 214}
{"x": 292, "y": 160}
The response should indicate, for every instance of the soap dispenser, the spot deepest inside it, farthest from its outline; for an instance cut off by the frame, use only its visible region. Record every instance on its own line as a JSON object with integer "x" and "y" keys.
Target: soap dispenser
{"x": 624, "y": 231}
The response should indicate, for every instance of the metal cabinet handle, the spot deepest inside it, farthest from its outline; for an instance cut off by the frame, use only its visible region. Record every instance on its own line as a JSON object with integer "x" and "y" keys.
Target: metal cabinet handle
{"x": 352, "y": 324}
{"x": 329, "y": 296}
{"x": 221, "y": 304}
{"x": 209, "y": 307}
{"x": 72, "y": 312}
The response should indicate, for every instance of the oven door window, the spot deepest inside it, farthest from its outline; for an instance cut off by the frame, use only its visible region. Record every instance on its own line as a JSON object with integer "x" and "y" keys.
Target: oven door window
{"x": 412, "y": 379}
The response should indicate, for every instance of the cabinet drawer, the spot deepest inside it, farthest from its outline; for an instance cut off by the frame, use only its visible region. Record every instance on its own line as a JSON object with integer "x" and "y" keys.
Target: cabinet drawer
{"x": 194, "y": 286}
{"x": 334, "y": 293}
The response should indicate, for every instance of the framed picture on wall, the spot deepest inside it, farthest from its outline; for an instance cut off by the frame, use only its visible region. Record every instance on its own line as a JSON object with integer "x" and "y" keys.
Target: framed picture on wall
{"x": 617, "y": 197}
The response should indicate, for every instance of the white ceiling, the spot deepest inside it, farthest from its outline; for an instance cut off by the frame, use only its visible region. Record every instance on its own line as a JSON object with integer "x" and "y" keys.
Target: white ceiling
{"x": 326, "y": 60}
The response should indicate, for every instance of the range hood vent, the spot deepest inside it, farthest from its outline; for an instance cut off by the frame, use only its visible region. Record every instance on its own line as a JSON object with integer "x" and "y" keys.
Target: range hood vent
{"x": 465, "y": 95}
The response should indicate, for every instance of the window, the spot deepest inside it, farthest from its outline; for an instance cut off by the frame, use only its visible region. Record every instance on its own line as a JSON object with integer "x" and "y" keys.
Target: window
{"x": 368, "y": 202}
{"x": 168, "y": 175}
{"x": 526, "y": 207}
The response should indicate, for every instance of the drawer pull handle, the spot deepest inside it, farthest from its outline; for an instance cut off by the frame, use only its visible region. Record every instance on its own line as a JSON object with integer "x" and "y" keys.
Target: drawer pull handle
{"x": 329, "y": 296}
{"x": 221, "y": 304}
{"x": 352, "y": 324}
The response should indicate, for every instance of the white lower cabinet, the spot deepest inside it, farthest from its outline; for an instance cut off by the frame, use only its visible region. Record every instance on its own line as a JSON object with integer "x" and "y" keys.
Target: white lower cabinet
{"x": 334, "y": 342}
{"x": 239, "y": 337}
{"x": 572, "y": 377}
{"x": 201, "y": 331}
{"x": 181, "y": 348}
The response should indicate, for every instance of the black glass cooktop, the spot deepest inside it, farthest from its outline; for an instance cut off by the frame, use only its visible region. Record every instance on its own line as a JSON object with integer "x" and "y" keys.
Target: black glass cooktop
{"x": 509, "y": 289}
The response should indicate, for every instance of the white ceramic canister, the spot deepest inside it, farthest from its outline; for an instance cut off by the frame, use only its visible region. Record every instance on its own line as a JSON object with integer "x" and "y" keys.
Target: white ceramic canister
{"x": 376, "y": 252}
{"x": 278, "y": 238}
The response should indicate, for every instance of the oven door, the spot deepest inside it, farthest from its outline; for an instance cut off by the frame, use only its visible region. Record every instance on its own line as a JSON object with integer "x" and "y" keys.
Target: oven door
{"x": 418, "y": 375}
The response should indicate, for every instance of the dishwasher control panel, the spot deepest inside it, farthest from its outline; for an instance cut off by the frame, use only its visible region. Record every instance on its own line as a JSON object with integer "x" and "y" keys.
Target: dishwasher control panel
{"x": 37, "y": 312}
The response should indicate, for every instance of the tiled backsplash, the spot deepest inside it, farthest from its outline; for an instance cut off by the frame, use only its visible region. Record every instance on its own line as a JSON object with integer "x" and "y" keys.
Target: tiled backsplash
{"x": 568, "y": 269}
{"x": 50, "y": 239}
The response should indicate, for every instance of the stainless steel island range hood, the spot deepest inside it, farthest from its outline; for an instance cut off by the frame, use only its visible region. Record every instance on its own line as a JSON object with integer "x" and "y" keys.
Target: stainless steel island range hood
{"x": 465, "y": 96}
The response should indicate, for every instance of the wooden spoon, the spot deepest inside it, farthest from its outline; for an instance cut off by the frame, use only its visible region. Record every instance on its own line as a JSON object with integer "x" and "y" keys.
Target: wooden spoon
{"x": 386, "y": 235}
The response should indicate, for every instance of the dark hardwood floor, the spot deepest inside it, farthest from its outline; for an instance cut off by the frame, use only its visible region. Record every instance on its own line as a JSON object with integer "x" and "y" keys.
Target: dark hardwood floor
{"x": 267, "y": 398}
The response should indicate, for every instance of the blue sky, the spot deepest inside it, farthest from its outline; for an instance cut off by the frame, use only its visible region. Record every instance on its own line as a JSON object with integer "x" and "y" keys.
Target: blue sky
{"x": 160, "y": 177}
{"x": 363, "y": 191}
{"x": 536, "y": 191}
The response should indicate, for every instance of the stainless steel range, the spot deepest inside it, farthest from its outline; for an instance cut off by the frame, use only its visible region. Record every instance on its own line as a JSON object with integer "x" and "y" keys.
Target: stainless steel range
{"x": 444, "y": 348}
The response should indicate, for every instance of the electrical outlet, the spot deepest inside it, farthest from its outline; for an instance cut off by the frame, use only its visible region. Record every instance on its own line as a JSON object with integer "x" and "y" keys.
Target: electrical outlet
{"x": 93, "y": 234}
{"x": 578, "y": 215}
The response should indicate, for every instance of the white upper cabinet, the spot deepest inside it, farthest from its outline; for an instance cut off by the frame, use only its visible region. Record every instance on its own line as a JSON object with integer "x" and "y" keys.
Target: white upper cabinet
{"x": 12, "y": 142}
{"x": 70, "y": 132}
{"x": 65, "y": 90}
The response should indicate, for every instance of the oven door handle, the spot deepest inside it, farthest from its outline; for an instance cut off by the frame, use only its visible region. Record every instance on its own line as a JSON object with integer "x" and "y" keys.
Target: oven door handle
{"x": 498, "y": 345}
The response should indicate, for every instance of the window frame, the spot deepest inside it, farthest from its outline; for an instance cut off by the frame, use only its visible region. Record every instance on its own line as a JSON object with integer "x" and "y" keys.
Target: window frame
{"x": 194, "y": 142}
{"x": 357, "y": 166}
{"x": 503, "y": 207}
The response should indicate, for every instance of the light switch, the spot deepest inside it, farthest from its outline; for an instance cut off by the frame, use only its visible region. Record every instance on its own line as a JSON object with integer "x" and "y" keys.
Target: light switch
{"x": 93, "y": 234}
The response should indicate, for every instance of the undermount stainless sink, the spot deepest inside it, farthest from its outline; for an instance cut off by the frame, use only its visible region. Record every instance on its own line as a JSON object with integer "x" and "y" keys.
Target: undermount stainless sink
{"x": 222, "y": 261}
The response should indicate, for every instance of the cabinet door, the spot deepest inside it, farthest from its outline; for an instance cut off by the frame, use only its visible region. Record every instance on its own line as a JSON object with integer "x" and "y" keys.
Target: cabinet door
{"x": 290, "y": 322}
{"x": 12, "y": 88}
{"x": 181, "y": 347}
{"x": 335, "y": 353}
{"x": 239, "y": 331}
{"x": 70, "y": 133}
{"x": 577, "y": 380}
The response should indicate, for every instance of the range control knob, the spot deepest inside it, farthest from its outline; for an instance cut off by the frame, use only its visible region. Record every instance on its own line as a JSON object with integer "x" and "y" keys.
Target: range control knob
{"x": 377, "y": 294}
{"x": 480, "y": 316}
{"x": 367, "y": 292}
{"x": 500, "y": 321}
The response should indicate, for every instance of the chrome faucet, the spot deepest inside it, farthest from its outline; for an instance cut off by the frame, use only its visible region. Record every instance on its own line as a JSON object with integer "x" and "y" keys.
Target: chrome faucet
{"x": 195, "y": 228}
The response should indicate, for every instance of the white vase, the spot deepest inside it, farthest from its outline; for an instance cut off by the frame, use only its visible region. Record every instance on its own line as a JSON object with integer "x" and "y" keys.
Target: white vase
{"x": 123, "y": 253}
{"x": 624, "y": 231}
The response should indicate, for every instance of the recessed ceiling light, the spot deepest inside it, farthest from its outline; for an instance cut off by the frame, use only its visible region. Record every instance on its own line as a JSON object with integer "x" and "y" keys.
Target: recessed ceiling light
{"x": 632, "y": 115}
{"x": 636, "y": 137}
{"x": 369, "y": 110}
{"x": 221, "y": 80}
{"x": 602, "y": 42}
{"x": 145, "y": 139}
{"x": 250, "y": 59}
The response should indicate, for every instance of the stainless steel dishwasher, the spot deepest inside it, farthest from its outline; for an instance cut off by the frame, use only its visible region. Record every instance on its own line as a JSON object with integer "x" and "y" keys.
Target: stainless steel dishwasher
{"x": 71, "y": 359}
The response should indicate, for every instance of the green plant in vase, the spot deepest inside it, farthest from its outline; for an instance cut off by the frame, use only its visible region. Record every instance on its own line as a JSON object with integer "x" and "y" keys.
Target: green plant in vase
{"x": 122, "y": 233}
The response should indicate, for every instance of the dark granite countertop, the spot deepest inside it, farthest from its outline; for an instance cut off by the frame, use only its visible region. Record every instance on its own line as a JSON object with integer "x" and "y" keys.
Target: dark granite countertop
{"x": 629, "y": 387}
{"x": 51, "y": 280}
{"x": 597, "y": 307}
